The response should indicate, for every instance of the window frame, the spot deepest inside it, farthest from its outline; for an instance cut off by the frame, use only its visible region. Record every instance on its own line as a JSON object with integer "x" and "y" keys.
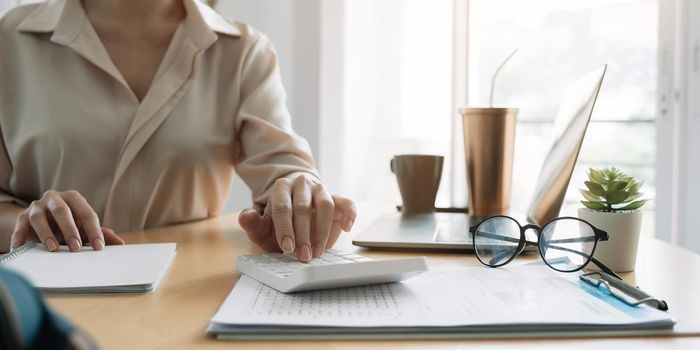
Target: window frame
{"x": 678, "y": 123}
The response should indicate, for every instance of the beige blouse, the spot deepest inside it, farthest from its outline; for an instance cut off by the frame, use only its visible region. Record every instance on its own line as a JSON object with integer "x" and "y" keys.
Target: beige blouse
{"x": 68, "y": 119}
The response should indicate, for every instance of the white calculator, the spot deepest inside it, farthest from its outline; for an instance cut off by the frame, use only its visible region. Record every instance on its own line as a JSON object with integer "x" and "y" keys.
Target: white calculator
{"x": 333, "y": 269}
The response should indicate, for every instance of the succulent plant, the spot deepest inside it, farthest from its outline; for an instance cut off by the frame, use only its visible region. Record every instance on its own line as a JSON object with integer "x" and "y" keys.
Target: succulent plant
{"x": 611, "y": 190}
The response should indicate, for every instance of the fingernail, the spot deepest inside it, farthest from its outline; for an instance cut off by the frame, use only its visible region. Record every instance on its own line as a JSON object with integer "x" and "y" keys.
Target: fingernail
{"x": 98, "y": 244}
{"x": 51, "y": 244}
{"x": 318, "y": 250}
{"x": 287, "y": 245}
{"x": 305, "y": 253}
{"x": 74, "y": 244}
{"x": 348, "y": 224}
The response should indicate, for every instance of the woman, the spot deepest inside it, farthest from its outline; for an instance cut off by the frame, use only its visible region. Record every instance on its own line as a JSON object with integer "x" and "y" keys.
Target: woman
{"x": 119, "y": 115}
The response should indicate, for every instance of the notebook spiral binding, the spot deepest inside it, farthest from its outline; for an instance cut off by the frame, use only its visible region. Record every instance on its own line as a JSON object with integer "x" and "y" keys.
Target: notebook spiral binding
{"x": 17, "y": 252}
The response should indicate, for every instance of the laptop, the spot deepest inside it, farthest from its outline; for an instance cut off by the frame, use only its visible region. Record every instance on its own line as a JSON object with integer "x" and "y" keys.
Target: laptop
{"x": 451, "y": 230}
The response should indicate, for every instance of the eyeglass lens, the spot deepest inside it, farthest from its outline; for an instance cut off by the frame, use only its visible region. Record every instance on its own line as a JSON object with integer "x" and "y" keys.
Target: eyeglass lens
{"x": 565, "y": 244}
{"x": 496, "y": 240}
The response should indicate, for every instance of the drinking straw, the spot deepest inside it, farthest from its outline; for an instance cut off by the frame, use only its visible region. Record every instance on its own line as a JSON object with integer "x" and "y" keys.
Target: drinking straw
{"x": 495, "y": 74}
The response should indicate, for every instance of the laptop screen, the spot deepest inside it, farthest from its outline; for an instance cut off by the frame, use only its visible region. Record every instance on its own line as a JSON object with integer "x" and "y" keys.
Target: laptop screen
{"x": 569, "y": 129}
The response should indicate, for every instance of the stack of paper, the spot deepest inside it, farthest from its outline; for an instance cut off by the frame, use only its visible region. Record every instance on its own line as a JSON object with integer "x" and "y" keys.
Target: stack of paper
{"x": 524, "y": 300}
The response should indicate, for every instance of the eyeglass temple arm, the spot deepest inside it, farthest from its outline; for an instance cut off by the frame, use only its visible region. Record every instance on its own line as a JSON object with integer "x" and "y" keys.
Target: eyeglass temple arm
{"x": 500, "y": 237}
{"x": 605, "y": 268}
{"x": 594, "y": 260}
{"x": 500, "y": 256}
{"x": 574, "y": 240}
{"x": 517, "y": 240}
{"x": 514, "y": 240}
{"x": 503, "y": 254}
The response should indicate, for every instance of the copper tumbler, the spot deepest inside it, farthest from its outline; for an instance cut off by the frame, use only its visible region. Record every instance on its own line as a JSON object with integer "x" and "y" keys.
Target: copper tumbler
{"x": 489, "y": 138}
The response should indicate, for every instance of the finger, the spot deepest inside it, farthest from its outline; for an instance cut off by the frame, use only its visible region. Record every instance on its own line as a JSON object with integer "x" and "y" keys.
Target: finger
{"x": 323, "y": 202}
{"x": 64, "y": 221}
{"x": 40, "y": 224}
{"x": 259, "y": 230}
{"x": 345, "y": 211}
{"x": 88, "y": 218}
{"x": 249, "y": 220}
{"x": 281, "y": 211}
{"x": 335, "y": 233}
{"x": 111, "y": 238}
{"x": 21, "y": 232}
{"x": 301, "y": 203}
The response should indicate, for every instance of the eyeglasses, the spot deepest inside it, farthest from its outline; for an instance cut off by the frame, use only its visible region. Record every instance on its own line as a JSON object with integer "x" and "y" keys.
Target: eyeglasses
{"x": 565, "y": 244}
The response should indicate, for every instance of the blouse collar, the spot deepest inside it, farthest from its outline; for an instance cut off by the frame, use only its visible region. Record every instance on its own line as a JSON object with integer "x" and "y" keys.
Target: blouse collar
{"x": 65, "y": 18}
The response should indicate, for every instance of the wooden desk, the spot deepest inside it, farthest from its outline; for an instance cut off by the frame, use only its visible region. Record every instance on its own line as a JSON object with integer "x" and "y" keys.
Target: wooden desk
{"x": 203, "y": 273}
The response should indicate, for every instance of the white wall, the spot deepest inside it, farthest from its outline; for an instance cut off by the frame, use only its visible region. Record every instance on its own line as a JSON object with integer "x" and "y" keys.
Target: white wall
{"x": 331, "y": 95}
{"x": 294, "y": 28}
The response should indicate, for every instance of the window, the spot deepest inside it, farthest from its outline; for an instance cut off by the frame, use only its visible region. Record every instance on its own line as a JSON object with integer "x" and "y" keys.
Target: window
{"x": 397, "y": 93}
{"x": 559, "y": 41}
{"x": 399, "y": 85}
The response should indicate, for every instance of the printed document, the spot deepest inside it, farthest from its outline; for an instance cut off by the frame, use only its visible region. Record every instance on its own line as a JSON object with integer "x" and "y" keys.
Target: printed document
{"x": 526, "y": 295}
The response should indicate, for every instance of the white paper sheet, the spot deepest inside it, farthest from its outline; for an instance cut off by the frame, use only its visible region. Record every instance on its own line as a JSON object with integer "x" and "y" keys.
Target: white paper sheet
{"x": 519, "y": 295}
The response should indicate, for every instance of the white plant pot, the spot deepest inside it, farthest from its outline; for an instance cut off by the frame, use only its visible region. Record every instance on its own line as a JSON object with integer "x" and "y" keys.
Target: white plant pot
{"x": 619, "y": 252}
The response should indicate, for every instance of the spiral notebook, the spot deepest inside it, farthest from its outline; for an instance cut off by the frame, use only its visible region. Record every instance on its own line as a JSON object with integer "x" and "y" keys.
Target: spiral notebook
{"x": 132, "y": 268}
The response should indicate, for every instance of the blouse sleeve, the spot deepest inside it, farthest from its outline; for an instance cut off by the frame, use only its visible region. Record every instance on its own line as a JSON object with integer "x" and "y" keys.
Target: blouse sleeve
{"x": 268, "y": 147}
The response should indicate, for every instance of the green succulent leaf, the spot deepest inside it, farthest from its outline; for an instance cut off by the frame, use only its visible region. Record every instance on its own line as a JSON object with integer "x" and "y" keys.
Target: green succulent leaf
{"x": 628, "y": 179}
{"x": 609, "y": 173}
{"x": 596, "y": 188}
{"x": 634, "y": 205}
{"x": 633, "y": 196}
{"x": 589, "y": 196}
{"x": 596, "y": 175}
{"x": 615, "y": 185}
{"x": 634, "y": 188}
{"x": 594, "y": 205}
{"x": 610, "y": 189}
{"x": 616, "y": 197}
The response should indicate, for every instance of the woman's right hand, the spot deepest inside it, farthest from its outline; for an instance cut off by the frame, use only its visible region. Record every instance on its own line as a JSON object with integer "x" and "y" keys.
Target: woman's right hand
{"x": 62, "y": 217}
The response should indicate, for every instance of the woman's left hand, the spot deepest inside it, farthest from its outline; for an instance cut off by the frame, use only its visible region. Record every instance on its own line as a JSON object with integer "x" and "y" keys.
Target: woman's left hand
{"x": 301, "y": 216}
